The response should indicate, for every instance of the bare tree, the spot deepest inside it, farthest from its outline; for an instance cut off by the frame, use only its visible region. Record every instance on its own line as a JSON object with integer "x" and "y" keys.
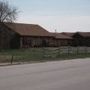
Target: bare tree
{"x": 8, "y": 13}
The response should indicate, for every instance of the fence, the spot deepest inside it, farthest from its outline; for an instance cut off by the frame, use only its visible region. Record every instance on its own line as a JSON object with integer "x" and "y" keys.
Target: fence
{"x": 42, "y": 54}
{"x": 58, "y": 52}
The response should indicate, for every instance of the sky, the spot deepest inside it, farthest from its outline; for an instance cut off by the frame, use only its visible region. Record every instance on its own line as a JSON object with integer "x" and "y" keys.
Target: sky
{"x": 55, "y": 15}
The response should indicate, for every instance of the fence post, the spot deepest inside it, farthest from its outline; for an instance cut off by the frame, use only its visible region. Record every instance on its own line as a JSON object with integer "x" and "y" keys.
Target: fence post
{"x": 77, "y": 50}
{"x": 86, "y": 51}
{"x": 43, "y": 52}
{"x": 68, "y": 50}
{"x": 58, "y": 54}
{"x": 12, "y": 57}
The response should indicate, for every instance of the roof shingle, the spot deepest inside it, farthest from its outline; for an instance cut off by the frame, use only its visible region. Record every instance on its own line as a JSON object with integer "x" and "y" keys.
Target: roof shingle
{"x": 28, "y": 29}
{"x": 61, "y": 36}
{"x": 70, "y": 34}
{"x": 84, "y": 34}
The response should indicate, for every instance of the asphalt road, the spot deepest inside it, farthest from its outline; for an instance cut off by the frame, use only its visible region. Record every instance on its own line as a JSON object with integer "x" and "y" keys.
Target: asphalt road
{"x": 60, "y": 75}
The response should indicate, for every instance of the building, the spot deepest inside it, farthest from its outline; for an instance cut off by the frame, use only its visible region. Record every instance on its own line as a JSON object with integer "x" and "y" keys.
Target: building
{"x": 17, "y": 35}
{"x": 62, "y": 40}
{"x": 81, "y": 39}
{"x": 70, "y": 34}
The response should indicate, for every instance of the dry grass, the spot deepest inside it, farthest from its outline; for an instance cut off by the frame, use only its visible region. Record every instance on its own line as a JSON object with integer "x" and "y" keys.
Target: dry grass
{"x": 43, "y": 54}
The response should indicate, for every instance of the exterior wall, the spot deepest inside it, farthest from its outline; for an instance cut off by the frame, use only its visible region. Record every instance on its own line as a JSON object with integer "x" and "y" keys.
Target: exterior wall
{"x": 52, "y": 42}
{"x": 8, "y": 38}
{"x": 36, "y": 41}
{"x": 32, "y": 41}
{"x": 63, "y": 42}
{"x": 79, "y": 40}
{"x": 15, "y": 41}
{"x": 87, "y": 41}
{"x": 4, "y": 38}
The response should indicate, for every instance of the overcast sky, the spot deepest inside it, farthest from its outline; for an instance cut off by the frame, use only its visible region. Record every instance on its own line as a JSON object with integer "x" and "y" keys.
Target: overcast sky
{"x": 62, "y": 15}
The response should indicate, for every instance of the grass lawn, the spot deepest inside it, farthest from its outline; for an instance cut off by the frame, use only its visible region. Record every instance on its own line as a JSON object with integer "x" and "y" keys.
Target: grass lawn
{"x": 38, "y": 55}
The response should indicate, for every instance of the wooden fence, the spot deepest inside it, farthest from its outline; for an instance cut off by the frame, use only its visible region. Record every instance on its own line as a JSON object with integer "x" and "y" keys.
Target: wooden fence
{"x": 41, "y": 54}
{"x": 53, "y": 52}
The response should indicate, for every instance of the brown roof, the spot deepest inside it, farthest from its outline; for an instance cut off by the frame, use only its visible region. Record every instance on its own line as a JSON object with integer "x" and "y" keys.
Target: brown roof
{"x": 61, "y": 36}
{"x": 28, "y": 29}
{"x": 70, "y": 34}
{"x": 84, "y": 34}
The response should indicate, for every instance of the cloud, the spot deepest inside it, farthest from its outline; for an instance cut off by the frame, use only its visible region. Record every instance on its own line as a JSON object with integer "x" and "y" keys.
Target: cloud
{"x": 60, "y": 23}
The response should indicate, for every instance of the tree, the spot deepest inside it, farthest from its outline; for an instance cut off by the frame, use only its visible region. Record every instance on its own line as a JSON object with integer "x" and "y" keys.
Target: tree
{"x": 8, "y": 13}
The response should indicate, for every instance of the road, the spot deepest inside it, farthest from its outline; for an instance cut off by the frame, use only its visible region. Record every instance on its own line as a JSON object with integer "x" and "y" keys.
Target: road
{"x": 59, "y": 75}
